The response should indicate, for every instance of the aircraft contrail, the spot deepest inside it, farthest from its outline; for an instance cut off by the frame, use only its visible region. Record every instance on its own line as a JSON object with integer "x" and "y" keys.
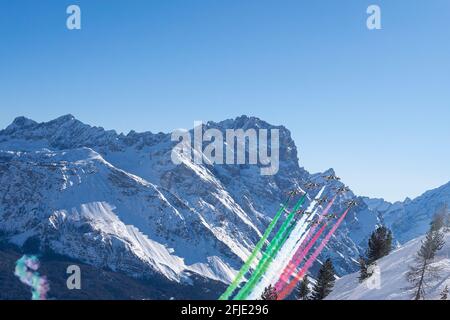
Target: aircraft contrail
{"x": 301, "y": 248}
{"x": 282, "y": 258}
{"x": 299, "y": 276}
{"x": 244, "y": 269}
{"x": 268, "y": 255}
{"x": 298, "y": 260}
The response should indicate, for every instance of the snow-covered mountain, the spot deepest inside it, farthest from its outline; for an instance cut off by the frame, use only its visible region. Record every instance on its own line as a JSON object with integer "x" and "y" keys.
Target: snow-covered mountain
{"x": 392, "y": 277}
{"x": 117, "y": 201}
{"x": 410, "y": 218}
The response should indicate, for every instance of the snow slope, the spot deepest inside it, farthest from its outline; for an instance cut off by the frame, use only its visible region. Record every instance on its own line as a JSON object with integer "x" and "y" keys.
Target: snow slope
{"x": 117, "y": 201}
{"x": 79, "y": 205}
{"x": 393, "y": 283}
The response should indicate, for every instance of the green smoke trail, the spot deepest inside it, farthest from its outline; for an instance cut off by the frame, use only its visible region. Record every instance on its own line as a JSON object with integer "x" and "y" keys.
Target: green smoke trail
{"x": 265, "y": 262}
{"x": 229, "y": 291}
{"x": 272, "y": 256}
{"x": 268, "y": 256}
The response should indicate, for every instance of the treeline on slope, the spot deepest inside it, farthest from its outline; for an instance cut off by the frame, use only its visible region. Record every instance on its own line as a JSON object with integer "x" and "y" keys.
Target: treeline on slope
{"x": 380, "y": 245}
{"x": 422, "y": 273}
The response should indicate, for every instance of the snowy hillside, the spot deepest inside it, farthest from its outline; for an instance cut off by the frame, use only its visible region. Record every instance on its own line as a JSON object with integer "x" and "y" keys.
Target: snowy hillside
{"x": 393, "y": 283}
{"x": 117, "y": 201}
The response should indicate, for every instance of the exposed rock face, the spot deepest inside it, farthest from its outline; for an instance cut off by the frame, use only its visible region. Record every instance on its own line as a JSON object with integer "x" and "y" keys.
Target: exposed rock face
{"x": 117, "y": 201}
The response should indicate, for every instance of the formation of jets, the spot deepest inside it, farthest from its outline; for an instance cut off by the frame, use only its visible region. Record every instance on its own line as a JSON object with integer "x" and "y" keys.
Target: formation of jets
{"x": 351, "y": 203}
{"x": 331, "y": 216}
{"x": 297, "y": 213}
{"x": 311, "y": 185}
{"x": 295, "y": 192}
{"x": 321, "y": 201}
{"x": 342, "y": 190}
{"x": 332, "y": 177}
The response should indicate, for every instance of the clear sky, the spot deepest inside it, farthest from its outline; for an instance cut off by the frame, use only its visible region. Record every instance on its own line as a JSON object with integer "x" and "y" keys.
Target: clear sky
{"x": 374, "y": 105}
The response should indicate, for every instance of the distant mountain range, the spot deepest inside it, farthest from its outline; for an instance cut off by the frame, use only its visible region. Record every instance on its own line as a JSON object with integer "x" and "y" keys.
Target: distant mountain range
{"x": 117, "y": 202}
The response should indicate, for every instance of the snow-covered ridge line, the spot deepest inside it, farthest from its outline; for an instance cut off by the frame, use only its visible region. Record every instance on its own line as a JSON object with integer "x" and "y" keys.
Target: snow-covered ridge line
{"x": 205, "y": 218}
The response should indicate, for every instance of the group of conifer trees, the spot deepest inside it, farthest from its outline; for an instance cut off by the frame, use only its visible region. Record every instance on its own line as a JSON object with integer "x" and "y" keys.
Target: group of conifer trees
{"x": 421, "y": 273}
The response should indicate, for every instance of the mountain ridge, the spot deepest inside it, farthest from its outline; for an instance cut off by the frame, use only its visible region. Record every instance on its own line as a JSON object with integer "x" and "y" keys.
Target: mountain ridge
{"x": 226, "y": 206}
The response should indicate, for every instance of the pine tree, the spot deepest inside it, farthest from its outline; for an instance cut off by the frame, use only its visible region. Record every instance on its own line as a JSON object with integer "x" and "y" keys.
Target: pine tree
{"x": 380, "y": 244}
{"x": 444, "y": 294}
{"x": 363, "y": 272}
{"x": 270, "y": 293}
{"x": 325, "y": 281}
{"x": 422, "y": 272}
{"x": 303, "y": 290}
{"x": 446, "y": 217}
{"x": 439, "y": 220}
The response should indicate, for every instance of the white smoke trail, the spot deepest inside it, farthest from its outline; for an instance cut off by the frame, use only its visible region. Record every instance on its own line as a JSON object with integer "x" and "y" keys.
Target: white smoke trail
{"x": 287, "y": 251}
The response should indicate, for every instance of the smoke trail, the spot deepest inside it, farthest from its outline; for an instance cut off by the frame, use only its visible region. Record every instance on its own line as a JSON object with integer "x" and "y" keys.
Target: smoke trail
{"x": 269, "y": 253}
{"x": 300, "y": 245}
{"x": 296, "y": 238}
{"x": 300, "y": 251}
{"x": 244, "y": 269}
{"x": 284, "y": 279}
{"x": 286, "y": 252}
{"x": 286, "y": 291}
{"x": 26, "y": 271}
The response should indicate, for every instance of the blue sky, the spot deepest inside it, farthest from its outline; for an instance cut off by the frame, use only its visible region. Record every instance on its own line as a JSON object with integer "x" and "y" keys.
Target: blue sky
{"x": 374, "y": 105}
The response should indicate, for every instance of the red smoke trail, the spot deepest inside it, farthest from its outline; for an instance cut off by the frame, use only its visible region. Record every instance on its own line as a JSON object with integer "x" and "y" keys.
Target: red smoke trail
{"x": 298, "y": 259}
{"x": 302, "y": 251}
{"x": 299, "y": 276}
